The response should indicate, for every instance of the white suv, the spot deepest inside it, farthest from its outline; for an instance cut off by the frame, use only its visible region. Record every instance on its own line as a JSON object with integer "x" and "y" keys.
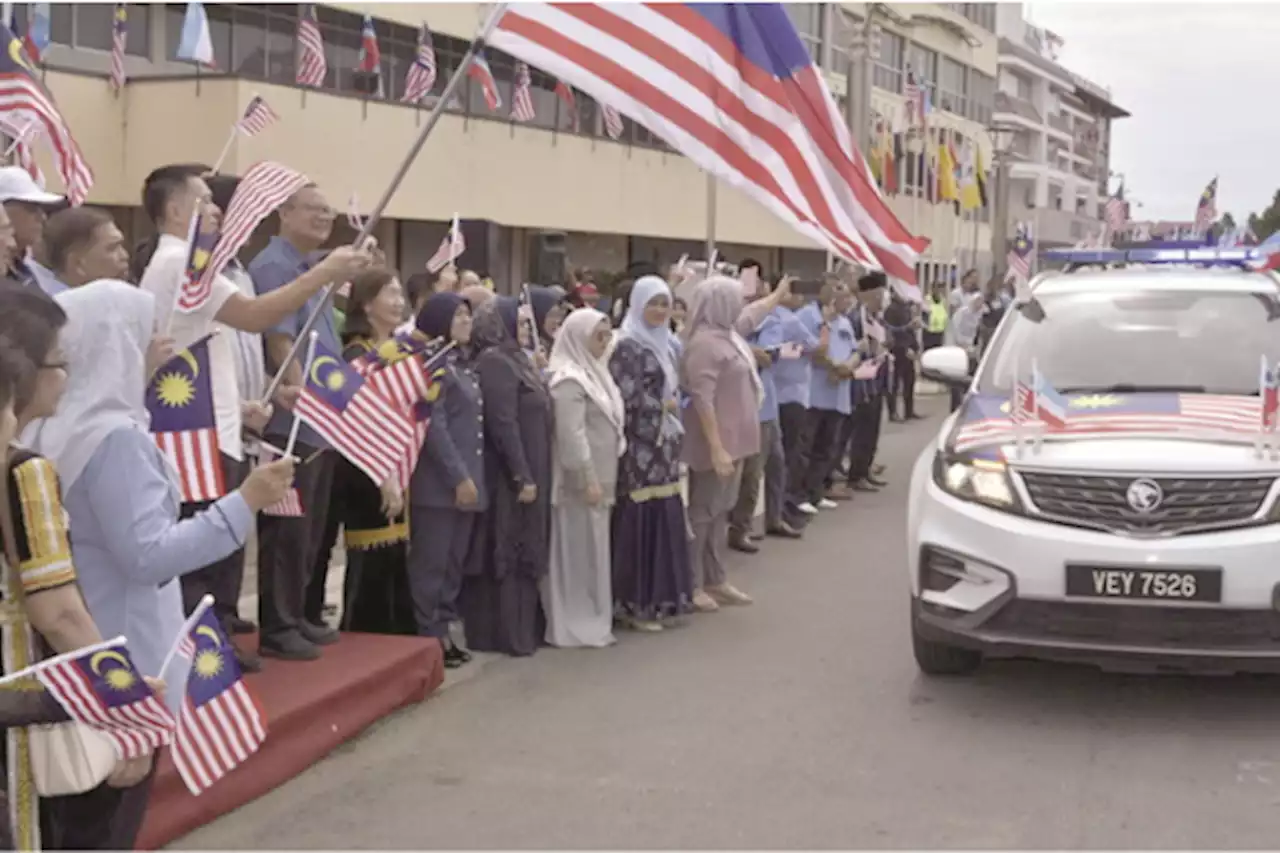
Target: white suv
{"x": 1143, "y": 532}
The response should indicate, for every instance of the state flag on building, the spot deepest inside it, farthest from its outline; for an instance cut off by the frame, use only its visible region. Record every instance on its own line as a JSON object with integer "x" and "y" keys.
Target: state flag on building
{"x": 480, "y": 72}
{"x": 612, "y": 121}
{"x": 733, "y": 88}
{"x": 99, "y": 687}
{"x": 220, "y": 723}
{"x": 565, "y": 93}
{"x": 196, "y": 43}
{"x": 23, "y": 99}
{"x": 36, "y": 41}
{"x": 421, "y": 76}
{"x": 522, "y": 108}
{"x": 354, "y": 417}
{"x": 180, "y": 401}
{"x": 451, "y": 248}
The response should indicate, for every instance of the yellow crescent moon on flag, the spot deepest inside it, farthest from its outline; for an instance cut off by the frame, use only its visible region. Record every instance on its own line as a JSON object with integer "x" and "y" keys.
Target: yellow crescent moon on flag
{"x": 315, "y": 369}
{"x": 205, "y": 630}
{"x": 17, "y": 55}
{"x": 190, "y": 359}
{"x": 96, "y": 661}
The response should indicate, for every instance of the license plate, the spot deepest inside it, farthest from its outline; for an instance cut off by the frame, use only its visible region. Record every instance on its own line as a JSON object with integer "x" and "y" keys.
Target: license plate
{"x": 1149, "y": 584}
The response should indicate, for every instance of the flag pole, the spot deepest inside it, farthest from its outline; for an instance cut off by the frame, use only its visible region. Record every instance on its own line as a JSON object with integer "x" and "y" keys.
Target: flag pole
{"x": 204, "y": 604}
{"x": 226, "y": 150}
{"x": 711, "y": 222}
{"x": 433, "y": 118}
{"x": 306, "y": 369}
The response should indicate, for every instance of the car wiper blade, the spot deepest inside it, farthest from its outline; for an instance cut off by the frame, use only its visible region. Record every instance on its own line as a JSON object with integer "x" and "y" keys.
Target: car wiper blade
{"x": 1124, "y": 388}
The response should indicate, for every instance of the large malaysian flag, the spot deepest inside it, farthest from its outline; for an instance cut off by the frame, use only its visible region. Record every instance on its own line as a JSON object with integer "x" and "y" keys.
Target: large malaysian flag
{"x": 733, "y": 88}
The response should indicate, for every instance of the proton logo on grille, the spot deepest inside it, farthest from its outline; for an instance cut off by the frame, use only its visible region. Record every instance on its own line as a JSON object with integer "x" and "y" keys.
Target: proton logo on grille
{"x": 1144, "y": 496}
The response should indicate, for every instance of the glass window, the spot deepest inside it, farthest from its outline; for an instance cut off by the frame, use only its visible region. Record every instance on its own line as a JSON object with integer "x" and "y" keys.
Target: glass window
{"x": 62, "y": 18}
{"x": 281, "y": 45}
{"x": 249, "y": 43}
{"x": 1168, "y": 339}
{"x": 88, "y": 25}
{"x": 924, "y": 63}
{"x": 93, "y": 25}
{"x": 807, "y": 18}
{"x": 139, "y": 29}
{"x": 952, "y": 89}
{"x": 887, "y": 74}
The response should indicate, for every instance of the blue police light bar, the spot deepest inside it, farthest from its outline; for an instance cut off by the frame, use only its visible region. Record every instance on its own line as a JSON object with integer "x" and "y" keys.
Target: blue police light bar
{"x": 1200, "y": 255}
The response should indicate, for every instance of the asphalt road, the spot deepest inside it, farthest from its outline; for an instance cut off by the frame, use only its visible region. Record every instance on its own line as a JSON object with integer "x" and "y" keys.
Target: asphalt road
{"x": 798, "y": 722}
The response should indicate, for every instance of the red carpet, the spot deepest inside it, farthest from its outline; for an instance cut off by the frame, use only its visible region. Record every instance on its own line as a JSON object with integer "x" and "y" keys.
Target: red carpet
{"x": 311, "y": 709}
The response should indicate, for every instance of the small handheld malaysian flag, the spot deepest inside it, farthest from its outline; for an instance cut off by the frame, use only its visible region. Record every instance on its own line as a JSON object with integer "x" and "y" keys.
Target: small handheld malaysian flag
{"x": 221, "y": 723}
{"x": 195, "y": 289}
{"x": 263, "y": 188}
{"x": 180, "y": 401}
{"x": 98, "y": 686}
{"x": 451, "y": 248}
{"x": 258, "y": 116}
{"x": 353, "y": 417}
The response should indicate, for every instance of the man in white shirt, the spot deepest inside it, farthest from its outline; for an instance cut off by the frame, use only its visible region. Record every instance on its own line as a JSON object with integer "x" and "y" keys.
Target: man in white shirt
{"x": 171, "y": 196}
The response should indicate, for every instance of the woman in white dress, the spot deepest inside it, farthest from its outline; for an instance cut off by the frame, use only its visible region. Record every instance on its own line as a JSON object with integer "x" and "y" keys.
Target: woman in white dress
{"x": 589, "y": 417}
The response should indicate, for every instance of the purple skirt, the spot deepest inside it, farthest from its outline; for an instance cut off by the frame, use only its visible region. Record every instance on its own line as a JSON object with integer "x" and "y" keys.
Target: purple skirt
{"x": 651, "y": 575}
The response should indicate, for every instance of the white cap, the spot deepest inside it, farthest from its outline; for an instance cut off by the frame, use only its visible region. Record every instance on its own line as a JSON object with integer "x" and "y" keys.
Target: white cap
{"x": 16, "y": 184}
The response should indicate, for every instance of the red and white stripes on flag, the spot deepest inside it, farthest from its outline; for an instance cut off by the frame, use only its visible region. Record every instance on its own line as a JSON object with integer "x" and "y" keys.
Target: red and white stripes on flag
{"x": 119, "y": 42}
{"x": 372, "y": 432}
{"x": 421, "y": 76}
{"x": 565, "y": 93}
{"x": 522, "y": 98}
{"x": 612, "y": 121}
{"x": 22, "y": 94}
{"x": 290, "y": 506}
{"x": 1207, "y": 208}
{"x": 312, "y": 66}
{"x": 732, "y": 87}
{"x": 404, "y": 383}
{"x": 134, "y": 728}
{"x": 1116, "y": 213}
{"x": 451, "y": 248}
{"x": 196, "y": 458}
{"x": 258, "y": 116}
{"x": 263, "y": 188}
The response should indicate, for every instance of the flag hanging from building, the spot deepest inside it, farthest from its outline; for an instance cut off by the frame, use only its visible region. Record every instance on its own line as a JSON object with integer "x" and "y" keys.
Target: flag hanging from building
{"x": 1019, "y": 257}
{"x": 565, "y": 93}
{"x": 24, "y": 99}
{"x": 353, "y": 417}
{"x": 970, "y": 194}
{"x": 180, "y": 401}
{"x": 522, "y": 108}
{"x": 196, "y": 43}
{"x": 370, "y": 54}
{"x": 99, "y": 687}
{"x": 258, "y": 116}
{"x": 263, "y": 188}
{"x": 312, "y": 66}
{"x": 732, "y": 87}
{"x": 481, "y": 73}
{"x": 421, "y": 76}
{"x": 1116, "y": 211}
{"x": 451, "y": 248}
{"x": 220, "y": 723}
{"x": 36, "y": 41}
{"x": 612, "y": 121}
{"x": 119, "y": 42}
{"x": 1207, "y": 208}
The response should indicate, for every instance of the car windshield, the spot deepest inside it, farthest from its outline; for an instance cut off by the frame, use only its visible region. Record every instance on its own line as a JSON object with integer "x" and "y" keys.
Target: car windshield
{"x": 1206, "y": 341}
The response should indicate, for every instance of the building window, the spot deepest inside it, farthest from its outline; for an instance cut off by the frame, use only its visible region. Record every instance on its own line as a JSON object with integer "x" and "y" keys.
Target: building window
{"x": 982, "y": 96}
{"x": 924, "y": 63}
{"x": 887, "y": 73}
{"x": 982, "y": 14}
{"x": 953, "y": 94}
{"x": 88, "y": 25}
{"x": 807, "y": 18}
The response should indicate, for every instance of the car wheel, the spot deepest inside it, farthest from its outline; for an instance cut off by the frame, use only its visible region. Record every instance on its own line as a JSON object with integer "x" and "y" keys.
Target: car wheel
{"x": 935, "y": 658}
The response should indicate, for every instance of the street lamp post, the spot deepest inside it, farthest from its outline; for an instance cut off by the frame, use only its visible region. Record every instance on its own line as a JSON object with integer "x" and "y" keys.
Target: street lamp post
{"x": 1002, "y": 161}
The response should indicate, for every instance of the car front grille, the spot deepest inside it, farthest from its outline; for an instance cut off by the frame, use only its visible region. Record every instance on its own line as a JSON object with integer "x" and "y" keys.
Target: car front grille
{"x": 1136, "y": 625}
{"x": 1190, "y": 504}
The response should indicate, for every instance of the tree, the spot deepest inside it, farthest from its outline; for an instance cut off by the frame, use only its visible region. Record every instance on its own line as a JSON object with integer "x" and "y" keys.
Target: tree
{"x": 1268, "y": 222}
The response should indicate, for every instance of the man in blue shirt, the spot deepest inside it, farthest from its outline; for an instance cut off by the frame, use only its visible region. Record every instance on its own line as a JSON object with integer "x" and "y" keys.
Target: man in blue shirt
{"x": 792, "y": 375}
{"x": 291, "y": 590}
{"x": 829, "y": 401}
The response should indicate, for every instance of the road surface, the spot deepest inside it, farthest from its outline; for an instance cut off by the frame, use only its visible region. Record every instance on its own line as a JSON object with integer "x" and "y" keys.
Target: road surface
{"x": 798, "y": 722}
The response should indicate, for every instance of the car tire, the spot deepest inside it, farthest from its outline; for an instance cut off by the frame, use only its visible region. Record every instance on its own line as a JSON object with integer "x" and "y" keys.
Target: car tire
{"x": 935, "y": 658}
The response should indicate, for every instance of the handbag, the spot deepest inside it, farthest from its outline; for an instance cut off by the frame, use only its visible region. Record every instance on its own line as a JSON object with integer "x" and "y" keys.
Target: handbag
{"x": 66, "y": 758}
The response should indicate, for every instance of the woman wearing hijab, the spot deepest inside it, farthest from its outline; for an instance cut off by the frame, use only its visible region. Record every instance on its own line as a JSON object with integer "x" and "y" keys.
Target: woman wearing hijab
{"x": 549, "y": 310}
{"x": 499, "y": 601}
{"x": 123, "y": 506}
{"x": 718, "y": 371}
{"x": 448, "y": 490}
{"x": 589, "y": 418}
{"x": 652, "y": 581}
{"x": 375, "y": 530}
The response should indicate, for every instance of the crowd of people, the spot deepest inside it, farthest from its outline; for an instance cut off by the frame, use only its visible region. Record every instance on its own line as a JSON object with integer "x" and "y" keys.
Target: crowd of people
{"x": 582, "y": 472}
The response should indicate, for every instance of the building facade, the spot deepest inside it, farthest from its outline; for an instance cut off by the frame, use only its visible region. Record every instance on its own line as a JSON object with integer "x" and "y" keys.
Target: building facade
{"x": 1058, "y": 137}
{"x": 532, "y": 196}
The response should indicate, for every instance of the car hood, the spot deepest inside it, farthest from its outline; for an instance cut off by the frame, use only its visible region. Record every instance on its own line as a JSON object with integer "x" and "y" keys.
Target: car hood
{"x": 1120, "y": 432}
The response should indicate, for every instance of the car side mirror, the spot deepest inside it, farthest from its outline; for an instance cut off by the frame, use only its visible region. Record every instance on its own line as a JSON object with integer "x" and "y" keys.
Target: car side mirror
{"x": 948, "y": 365}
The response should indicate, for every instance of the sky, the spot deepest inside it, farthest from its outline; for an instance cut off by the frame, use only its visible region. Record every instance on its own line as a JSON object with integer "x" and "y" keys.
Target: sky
{"x": 1188, "y": 74}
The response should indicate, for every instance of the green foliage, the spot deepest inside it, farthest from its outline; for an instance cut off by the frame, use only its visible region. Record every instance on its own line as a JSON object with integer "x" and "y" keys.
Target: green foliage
{"x": 1268, "y": 222}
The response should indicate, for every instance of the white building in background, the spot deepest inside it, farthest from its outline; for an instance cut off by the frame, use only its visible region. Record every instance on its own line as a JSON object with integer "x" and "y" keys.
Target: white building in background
{"x": 1060, "y": 145}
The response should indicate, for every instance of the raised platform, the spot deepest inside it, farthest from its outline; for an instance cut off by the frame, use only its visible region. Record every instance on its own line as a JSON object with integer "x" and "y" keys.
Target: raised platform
{"x": 312, "y": 708}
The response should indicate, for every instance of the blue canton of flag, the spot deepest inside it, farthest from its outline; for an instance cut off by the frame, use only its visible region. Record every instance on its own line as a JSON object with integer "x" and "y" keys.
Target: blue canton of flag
{"x": 180, "y": 401}
{"x": 221, "y": 723}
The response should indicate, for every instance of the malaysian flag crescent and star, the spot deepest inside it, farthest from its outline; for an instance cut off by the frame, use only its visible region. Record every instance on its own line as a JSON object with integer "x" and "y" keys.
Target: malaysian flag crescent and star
{"x": 180, "y": 402}
{"x": 733, "y": 88}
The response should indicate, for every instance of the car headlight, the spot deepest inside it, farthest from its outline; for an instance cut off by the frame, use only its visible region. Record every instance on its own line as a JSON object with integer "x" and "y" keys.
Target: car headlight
{"x": 983, "y": 481}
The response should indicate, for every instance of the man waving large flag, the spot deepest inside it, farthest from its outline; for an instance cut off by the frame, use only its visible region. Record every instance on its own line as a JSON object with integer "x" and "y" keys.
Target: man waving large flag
{"x": 733, "y": 88}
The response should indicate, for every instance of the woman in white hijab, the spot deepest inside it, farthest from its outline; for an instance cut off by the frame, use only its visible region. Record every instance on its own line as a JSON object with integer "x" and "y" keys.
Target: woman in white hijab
{"x": 120, "y": 491}
{"x": 589, "y": 417}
